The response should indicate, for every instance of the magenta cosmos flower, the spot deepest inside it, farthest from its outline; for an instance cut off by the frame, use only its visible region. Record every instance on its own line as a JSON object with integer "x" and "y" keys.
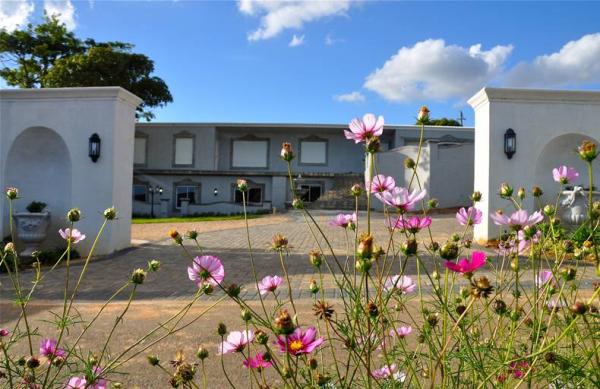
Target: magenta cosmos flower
{"x": 401, "y": 198}
{"x": 403, "y": 284}
{"x": 76, "y": 383}
{"x": 380, "y": 184}
{"x": 75, "y": 236}
{"x": 206, "y": 269}
{"x": 300, "y": 342}
{"x": 343, "y": 220}
{"x": 4, "y": 332}
{"x": 236, "y": 342}
{"x": 258, "y": 362}
{"x": 269, "y": 284}
{"x": 518, "y": 220}
{"x": 466, "y": 266}
{"x": 82, "y": 383}
{"x": 361, "y": 130}
{"x": 49, "y": 350}
{"x": 413, "y": 224}
{"x": 468, "y": 217}
{"x": 401, "y": 332}
{"x": 564, "y": 174}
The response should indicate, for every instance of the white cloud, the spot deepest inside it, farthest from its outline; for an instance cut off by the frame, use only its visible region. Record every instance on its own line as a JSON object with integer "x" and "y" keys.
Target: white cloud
{"x": 352, "y": 97}
{"x": 330, "y": 41}
{"x": 297, "y": 41}
{"x": 14, "y": 14}
{"x": 63, "y": 10}
{"x": 433, "y": 70}
{"x": 279, "y": 15}
{"x": 577, "y": 63}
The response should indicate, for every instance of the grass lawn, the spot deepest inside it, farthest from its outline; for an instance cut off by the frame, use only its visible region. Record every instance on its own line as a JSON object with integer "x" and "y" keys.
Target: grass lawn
{"x": 190, "y": 219}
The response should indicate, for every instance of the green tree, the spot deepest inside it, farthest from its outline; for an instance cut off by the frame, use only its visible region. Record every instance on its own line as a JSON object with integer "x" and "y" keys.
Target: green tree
{"x": 48, "y": 55}
{"x": 441, "y": 122}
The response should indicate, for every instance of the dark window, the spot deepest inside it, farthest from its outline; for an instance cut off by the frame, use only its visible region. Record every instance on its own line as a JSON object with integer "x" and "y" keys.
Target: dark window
{"x": 310, "y": 193}
{"x": 140, "y": 193}
{"x": 253, "y": 196}
{"x": 185, "y": 192}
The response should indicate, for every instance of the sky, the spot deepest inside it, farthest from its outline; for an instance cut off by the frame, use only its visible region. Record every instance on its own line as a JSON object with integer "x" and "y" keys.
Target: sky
{"x": 331, "y": 61}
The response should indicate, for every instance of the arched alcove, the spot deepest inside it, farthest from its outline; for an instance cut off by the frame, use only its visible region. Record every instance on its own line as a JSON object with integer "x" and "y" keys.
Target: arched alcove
{"x": 562, "y": 150}
{"x": 39, "y": 164}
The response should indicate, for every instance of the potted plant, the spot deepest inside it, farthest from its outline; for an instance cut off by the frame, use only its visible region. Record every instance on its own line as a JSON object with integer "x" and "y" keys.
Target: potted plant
{"x": 32, "y": 226}
{"x": 574, "y": 203}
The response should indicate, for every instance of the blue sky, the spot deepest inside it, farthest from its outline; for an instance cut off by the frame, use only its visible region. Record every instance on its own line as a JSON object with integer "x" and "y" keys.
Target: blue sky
{"x": 235, "y": 61}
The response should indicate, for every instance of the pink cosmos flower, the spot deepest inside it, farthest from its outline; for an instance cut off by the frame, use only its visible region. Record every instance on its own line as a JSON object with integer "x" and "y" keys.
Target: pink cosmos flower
{"x": 75, "y": 236}
{"x": 269, "y": 284}
{"x": 414, "y": 224}
{"x": 400, "y": 198}
{"x": 525, "y": 243}
{"x": 518, "y": 369}
{"x": 466, "y": 266}
{"x": 206, "y": 269}
{"x": 468, "y": 217}
{"x": 543, "y": 278}
{"x": 343, "y": 220}
{"x": 236, "y": 342}
{"x": 4, "y": 332}
{"x": 257, "y": 362}
{"x": 76, "y": 383}
{"x": 300, "y": 342}
{"x": 564, "y": 174}
{"x": 380, "y": 184}
{"x": 518, "y": 220}
{"x": 401, "y": 332}
{"x": 98, "y": 383}
{"x": 384, "y": 372}
{"x": 403, "y": 284}
{"x": 368, "y": 127}
{"x": 49, "y": 350}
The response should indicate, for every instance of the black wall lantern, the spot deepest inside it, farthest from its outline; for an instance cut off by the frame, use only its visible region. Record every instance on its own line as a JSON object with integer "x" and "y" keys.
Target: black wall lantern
{"x": 216, "y": 192}
{"x": 510, "y": 143}
{"x": 94, "y": 147}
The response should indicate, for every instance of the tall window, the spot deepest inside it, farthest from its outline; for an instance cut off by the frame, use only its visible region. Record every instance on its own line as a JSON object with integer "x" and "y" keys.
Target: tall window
{"x": 184, "y": 150}
{"x": 188, "y": 192}
{"x": 313, "y": 151}
{"x": 139, "y": 150}
{"x": 140, "y": 193}
{"x": 254, "y": 195}
{"x": 250, "y": 153}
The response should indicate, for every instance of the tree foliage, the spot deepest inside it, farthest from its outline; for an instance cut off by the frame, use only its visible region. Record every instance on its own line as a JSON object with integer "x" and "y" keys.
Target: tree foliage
{"x": 441, "y": 122}
{"x": 48, "y": 55}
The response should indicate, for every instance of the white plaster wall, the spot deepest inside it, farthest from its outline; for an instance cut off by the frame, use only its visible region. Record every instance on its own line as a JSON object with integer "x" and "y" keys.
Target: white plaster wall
{"x": 538, "y": 117}
{"x": 451, "y": 174}
{"x": 75, "y": 114}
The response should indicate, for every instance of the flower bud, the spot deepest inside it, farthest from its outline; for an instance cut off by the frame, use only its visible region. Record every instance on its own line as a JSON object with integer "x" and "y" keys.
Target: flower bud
{"x": 207, "y": 288}
{"x": 568, "y": 273}
{"x": 506, "y": 191}
{"x": 192, "y": 235}
{"x": 363, "y": 265}
{"x": 287, "y": 154}
{"x": 10, "y": 248}
{"x": 549, "y": 210}
{"x": 246, "y": 315}
{"x": 476, "y": 196}
{"x": 32, "y": 362}
{"x": 297, "y": 203}
{"x": 460, "y": 309}
{"x": 323, "y": 379}
{"x": 423, "y": 115}
{"x": 316, "y": 258}
{"x": 372, "y": 309}
{"x": 595, "y": 212}
{"x": 313, "y": 287}
{"x": 455, "y": 237}
{"x": 435, "y": 275}
{"x": 138, "y": 276}
{"x": 242, "y": 185}
{"x": 409, "y": 163}
{"x": 283, "y": 323}
{"x": 12, "y": 193}
{"x": 153, "y": 265}
{"x": 587, "y": 151}
{"x": 280, "y": 243}
{"x": 536, "y": 191}
{"x": 500, "y": 307}
{"x": 373, "y": 145}
{"x": 579, "y": 308}
{"x": 409, "y": 247}
{"x": 356, "y": 190}
{"x": 464, "y": 292}
{"x": 365, "y": 246}
{"x": 202, "y": 353}
{"x": 521, "y": 193}
{"x": 110, "y": 213}
{"x": 153, "y": 360}
{"x": 514, "y": 264}
{"x": 74, "y": 215}
{"x": 233, "y": 290}
{"x": 221, "y": 329}
{"x": 261, "y": 337}
{"x": 433, "y": 203}
{"x": 174, "y": 234}
{"x": 550, "y": 357}
{"x": 313, "y": 364}
{"x": 449, "y": 251}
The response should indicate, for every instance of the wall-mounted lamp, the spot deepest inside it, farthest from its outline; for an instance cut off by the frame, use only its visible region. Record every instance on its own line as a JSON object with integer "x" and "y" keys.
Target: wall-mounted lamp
{"x": 94, "y": 147}
{"x": 216, "y": 192}
{"x": 510, "y": 143}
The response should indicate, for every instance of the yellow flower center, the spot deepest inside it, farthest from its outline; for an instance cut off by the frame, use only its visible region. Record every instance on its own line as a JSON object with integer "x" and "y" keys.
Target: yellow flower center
{"x": 296, "y": 345}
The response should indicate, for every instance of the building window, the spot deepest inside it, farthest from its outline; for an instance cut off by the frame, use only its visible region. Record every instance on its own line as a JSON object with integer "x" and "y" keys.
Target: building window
{"x": 140, "y": 193}
{"x": 250, "y": 152}
{"x": 254, "y": 195}
{"x": 310, "y": 192}
{"x": 139, "y": 150}
{"x": 183, "y": 192}
{"x": 183, "y": 150}
{"x": 313, "y": 151}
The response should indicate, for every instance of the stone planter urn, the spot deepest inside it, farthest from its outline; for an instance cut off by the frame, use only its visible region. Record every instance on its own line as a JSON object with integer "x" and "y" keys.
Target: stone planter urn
{"x": 574, "y": 205}
{"x": 31, "y": 229}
